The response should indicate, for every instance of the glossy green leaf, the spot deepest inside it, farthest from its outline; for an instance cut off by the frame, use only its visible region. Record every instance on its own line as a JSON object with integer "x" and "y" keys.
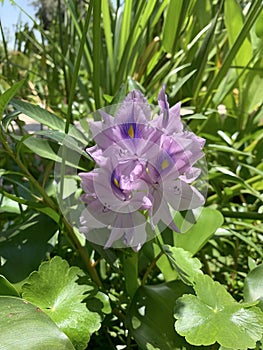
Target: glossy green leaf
{"x": 199, "y": 233}
{"x": 65, "y": 140}
{"x": 214, "y": 316}
{"x": 253, "y": 286}
{"x": 25, "y": 246}
{"x": 150, "y": 317}
{"x": 253, "y": 85}
{"x": 46, "y": 118}
{"x": 194, "y": 237}
{"x": 54, "y": 289}
{"x": 42, "y": 147}
{"x": 8, "y": 95}
{"x": 6, "y": 288}
{"x": 25, "y": 327}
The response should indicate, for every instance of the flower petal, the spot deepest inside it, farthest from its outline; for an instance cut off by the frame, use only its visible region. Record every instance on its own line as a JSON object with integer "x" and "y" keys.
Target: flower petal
{"x": 182, "y": 196}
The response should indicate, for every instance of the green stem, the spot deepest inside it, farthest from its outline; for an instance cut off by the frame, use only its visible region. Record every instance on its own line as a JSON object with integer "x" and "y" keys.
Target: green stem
{"x": 130, "y": 270}
{"x": 242, "y": 215}
{"x": 96, "y": 51}
{"x": 150, "y": 267}
{"x": 234, "y": 189}
{"x": 72, "y": 94}
{"x": 47, "y": 200}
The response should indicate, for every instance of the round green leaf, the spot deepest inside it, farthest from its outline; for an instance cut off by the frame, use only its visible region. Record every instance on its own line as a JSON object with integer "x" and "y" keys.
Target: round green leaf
{"x": 25, "y": 327}
{"x": 214, "y": 316}
{"x": 54, "y": 289}
{"x": 253, "y": 287}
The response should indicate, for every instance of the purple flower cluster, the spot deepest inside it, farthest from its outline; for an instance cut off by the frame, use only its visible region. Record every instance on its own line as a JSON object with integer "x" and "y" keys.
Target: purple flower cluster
{"x": 145, "y": 167}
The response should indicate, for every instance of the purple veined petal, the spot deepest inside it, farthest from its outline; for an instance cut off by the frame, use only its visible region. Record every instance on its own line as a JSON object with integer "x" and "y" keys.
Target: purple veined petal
{"x": 164, "y": 106}
{"x": 108, "y": 184}
{"x": 108, "y": 120}
{"x": 87, "y": 181}
{"x": 142, "y": 145}
{"x": 136, "y": 96}
{"x": 169, "y": 120}
{"x": 115, "y": 235}
{"x": 162, "y": 99}
{"x": 134, "y": 108}
{"x": 190, "y": 175}
{"x": 131, "y": 228}
{"x": 97, "y": 154}
{"x": 184, "y": 151}
{"x": 92, "y": 218}
{"x": 182, "y": 196}
{"x": 161, "y": 211}
{"x": 88, "y": 198}
{"x": 96, "y": 127}
{"x": 146, "y": 203}
{"x": 106, "y": 137}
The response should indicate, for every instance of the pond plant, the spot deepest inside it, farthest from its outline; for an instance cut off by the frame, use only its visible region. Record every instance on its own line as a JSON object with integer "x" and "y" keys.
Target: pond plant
{"x": 131, "y": 216}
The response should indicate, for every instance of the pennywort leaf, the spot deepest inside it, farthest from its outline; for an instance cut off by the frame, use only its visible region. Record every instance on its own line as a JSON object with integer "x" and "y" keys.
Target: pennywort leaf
{"x": 214, "y": 316}
{"x": 24, "y": 326}
{"x": 55, "y": 290}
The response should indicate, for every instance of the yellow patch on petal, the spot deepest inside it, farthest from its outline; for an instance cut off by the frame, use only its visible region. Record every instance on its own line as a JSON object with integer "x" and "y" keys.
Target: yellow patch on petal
{"x": 131, "y": 132}
{"x": 165, "y": 164}
{"x": 116, "y": 182}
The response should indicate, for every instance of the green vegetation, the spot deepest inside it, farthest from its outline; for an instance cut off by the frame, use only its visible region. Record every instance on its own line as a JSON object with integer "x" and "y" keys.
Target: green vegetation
{"x": 200, "y": 288}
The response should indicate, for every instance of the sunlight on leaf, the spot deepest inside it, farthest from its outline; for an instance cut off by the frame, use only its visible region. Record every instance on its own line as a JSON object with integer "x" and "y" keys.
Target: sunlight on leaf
{"x": 253, "y": 287}
{"x": 214, "y": 316}
{"x": 54, "y": 289}
{"x": 25, "y": 327}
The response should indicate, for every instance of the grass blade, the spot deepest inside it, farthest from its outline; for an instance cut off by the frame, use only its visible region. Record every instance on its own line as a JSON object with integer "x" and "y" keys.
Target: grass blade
{"x": 96, "y": 52}
{"x": 255, "y": 10}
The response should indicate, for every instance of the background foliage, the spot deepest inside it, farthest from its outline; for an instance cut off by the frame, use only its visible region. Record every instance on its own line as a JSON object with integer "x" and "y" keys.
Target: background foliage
{"x": 75, "y": 57}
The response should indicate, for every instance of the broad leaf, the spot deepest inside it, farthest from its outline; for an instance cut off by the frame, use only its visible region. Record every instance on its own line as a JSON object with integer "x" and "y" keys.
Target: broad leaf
{"x": 150, "y": 317}
{"x": 42, "y": 147}
{"x": 25, "y": 327}
{"x": 25, "y": 246}
{"x": 214, "y": 316}
{"x": 54, "y": 289}
{"x": 199, "y": 233}
{"x": 46, "y": 118}
{"x": 253, "y": 287}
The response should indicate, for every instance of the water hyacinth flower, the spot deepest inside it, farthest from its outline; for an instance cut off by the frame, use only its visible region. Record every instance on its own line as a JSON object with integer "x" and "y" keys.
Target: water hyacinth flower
{"x": 145, "y": 167}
